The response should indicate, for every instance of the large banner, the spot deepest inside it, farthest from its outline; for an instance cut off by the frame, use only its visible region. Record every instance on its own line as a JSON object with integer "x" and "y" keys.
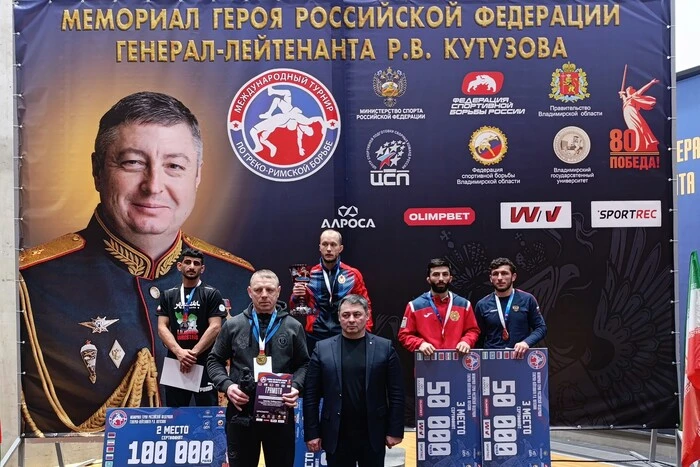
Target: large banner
{"x": 466, "y": 130}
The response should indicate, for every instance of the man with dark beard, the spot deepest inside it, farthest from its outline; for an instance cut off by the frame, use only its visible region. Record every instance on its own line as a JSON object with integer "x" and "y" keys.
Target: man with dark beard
{"x": 438, "y": 319}
{"x": 189, "y": 319}
{"x": 509, "y": 318}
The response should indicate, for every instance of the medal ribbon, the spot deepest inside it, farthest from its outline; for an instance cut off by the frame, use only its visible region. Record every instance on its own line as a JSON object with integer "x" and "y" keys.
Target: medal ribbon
{"x": 329, "y": 284}
{"x": 269, "y": 332}
{"x": 437, "y": 313}
{"x": 504, "y": 317}
{"x": 186, "y": 304}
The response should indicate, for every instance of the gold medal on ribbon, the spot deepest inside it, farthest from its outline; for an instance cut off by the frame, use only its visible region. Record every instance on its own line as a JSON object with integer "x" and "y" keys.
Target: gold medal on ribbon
{"x": 454, "y": 315}
{"x": 261, "y": 358}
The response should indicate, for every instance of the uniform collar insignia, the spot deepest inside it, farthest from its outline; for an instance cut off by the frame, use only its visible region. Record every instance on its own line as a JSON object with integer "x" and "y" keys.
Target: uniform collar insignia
{"x": 138, "y": 263}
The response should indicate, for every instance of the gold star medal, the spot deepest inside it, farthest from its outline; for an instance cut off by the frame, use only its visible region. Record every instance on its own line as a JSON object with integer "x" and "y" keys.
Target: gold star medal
{"x": 261, "y": 359}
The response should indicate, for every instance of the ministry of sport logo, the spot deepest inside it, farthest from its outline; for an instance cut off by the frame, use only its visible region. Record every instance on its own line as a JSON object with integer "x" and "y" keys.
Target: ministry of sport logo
{"x": 284, "y": 125}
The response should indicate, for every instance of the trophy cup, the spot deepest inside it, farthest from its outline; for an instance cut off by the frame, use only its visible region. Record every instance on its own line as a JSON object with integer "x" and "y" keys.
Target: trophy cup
{"x": 300, "y": 273}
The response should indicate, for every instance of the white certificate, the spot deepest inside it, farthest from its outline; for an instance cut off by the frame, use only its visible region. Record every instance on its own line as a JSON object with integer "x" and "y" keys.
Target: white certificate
{"x": 172, "y": 376}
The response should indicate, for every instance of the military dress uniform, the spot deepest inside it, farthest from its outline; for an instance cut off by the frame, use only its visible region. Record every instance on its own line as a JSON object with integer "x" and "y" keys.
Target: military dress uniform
{"x": 90, "y": 327}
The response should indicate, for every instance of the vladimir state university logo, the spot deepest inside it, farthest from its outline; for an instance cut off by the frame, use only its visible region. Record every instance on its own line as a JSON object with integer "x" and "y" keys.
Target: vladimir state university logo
{"x": 388, "y": 153}
{"x": 488, "y": 145}
{"x": 569, "y": 84}
{"x": 389, "y": 84}
{"x": 283, "y": 125}
{"x": 572, "y": 144}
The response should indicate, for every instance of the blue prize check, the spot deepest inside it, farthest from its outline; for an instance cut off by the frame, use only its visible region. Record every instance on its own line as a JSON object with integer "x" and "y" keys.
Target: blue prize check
{"x": 515, "y": 409}
{"x": 447, "y": 409}
{"x": 302, "y": 456}
{"x": 187, "y": 436}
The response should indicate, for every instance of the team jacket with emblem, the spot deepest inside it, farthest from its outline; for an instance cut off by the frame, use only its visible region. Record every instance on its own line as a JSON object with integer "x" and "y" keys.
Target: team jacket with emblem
{"x": 523, "y": 317}
{"x": 344, "y": 280}
{"x": 420, "y": 324}
{"x": 188, "y": 329}
{"x": 94, "y": 274}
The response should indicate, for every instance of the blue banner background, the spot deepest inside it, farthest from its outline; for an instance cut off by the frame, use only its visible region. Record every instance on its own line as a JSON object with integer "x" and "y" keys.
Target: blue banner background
{"x": 605, "y": 292}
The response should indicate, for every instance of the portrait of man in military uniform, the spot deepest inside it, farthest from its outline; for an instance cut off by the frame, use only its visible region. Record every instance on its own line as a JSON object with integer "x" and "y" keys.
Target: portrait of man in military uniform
{"x": 89, "y": 298}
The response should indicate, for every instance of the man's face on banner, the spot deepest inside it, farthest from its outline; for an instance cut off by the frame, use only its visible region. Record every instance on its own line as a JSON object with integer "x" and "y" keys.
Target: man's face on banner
{"x": 149, "y": 180}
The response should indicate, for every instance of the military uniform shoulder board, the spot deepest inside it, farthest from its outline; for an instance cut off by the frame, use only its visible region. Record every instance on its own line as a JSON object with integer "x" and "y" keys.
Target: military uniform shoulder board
{"x": 56, "y": 248}
{"x": 215, "y": 251}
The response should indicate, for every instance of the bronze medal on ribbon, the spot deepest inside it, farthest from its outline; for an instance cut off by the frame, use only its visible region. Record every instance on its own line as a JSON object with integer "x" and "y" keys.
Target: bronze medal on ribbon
{"x": 505, "y": 334}
{"x": 261, "y": 358}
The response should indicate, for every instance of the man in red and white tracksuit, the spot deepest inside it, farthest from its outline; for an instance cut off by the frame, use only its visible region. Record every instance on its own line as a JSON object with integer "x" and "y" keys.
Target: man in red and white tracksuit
{"x": 439, "y": 319}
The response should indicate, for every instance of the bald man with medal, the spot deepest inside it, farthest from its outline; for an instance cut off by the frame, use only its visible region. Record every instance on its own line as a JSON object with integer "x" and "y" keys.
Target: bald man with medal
{"x": 264, "y": 338}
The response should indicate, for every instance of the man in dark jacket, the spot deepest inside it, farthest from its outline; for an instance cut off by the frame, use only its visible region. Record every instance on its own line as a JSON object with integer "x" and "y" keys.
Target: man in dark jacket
{"x": 263, "y": 336}
{"x": 357, "y": 374}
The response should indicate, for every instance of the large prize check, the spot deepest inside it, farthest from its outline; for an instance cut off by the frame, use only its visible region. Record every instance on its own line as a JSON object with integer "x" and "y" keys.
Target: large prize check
{"x": 484, "y": 408}
{"x": 191, "y": 436}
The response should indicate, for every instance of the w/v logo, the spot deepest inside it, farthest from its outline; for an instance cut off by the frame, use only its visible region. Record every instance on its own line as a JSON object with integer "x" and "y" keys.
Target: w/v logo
{"x": 536, "y": 215}
{"x": 533, "y": 214}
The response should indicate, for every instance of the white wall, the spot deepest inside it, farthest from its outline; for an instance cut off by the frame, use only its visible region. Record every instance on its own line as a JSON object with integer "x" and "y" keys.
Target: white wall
{"x": 687, "y": 34}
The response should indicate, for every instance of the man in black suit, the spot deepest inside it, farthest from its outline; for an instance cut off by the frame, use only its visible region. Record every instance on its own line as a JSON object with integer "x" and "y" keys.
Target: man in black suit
{"x": 357, "y": 374}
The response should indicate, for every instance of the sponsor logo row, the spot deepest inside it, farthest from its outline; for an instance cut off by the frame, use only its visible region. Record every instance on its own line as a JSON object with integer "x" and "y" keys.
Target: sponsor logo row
{"x": 516, "y": 215}
{"x": 284, "y": 124}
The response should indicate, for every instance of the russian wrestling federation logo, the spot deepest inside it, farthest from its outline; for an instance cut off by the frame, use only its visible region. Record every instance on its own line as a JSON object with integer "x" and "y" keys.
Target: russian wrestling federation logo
{"x": 283, "y": 125}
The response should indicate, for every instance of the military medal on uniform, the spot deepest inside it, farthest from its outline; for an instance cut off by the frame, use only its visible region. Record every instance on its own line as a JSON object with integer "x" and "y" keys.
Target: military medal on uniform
{"x": 504, "y": 316}
{"x": 263, "y": 362}
{"x": 88, "y": 352}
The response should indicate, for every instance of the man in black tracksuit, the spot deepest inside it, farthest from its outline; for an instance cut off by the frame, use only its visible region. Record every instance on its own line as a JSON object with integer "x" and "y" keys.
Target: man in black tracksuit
{"x": 264, "y": 329}
{"x": 189, "y": 319}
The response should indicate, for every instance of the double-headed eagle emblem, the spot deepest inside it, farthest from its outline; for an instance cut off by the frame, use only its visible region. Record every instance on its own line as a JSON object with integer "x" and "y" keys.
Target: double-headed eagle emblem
{"x": 389, "y": 84}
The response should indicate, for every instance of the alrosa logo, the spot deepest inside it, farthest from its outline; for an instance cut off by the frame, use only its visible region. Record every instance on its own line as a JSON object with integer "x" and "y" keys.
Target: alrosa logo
{"x": 347, "y": 218}
{"x": 536, "y": 215}
{"x": 347, "y": 211}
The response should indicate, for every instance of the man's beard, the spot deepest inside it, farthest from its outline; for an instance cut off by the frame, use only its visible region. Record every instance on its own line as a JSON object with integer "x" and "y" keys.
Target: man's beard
{"x": 439, "y": 288}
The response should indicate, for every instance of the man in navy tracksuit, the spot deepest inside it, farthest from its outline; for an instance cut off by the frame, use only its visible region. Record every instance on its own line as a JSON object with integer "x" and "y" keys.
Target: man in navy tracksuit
{"x": 509, "y": 317}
